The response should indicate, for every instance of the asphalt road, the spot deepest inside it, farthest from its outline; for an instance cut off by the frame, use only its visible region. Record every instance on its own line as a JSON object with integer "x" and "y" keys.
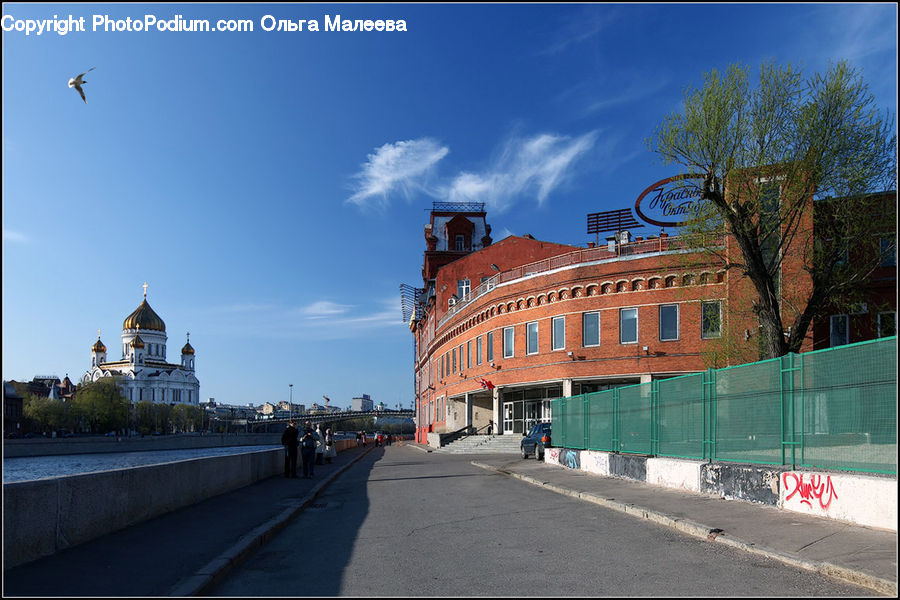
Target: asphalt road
{"x": 407, "y": 523}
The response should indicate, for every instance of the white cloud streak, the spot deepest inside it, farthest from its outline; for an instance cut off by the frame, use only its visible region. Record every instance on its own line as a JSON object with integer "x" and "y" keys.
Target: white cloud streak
{"x": 14, "y": 237}
{"x": 318, "y": 320}
{"x": 535, "y": 165}
{"x": 401, "y": 167}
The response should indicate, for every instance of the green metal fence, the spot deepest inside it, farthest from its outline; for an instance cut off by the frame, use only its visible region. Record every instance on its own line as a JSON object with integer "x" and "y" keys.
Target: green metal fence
{"x": 828, "y": 409}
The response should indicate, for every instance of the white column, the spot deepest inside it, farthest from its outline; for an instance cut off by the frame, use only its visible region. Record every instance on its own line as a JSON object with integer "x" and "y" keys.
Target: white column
{"x": 566, "y": 388}
{"x": 468, "y": 410}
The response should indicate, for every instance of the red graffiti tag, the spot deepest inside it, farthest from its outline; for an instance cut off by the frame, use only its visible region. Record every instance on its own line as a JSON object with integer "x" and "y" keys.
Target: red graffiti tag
{"x": 818, "y": 487}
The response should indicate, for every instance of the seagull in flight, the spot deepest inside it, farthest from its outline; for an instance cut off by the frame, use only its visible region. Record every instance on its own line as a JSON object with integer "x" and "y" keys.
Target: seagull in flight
{"x": 76, "y": 82}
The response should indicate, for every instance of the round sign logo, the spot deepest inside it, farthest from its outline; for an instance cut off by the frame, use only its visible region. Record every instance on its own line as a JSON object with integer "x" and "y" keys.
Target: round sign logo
{"x": 670, "y": 202}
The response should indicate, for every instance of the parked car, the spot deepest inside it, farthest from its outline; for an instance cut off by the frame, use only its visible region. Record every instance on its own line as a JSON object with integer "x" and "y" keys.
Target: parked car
{"x": 536, "y": 440}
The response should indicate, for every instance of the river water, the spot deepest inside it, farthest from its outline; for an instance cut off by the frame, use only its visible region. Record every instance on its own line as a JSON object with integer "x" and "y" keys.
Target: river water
{"x": 41, "y": 467}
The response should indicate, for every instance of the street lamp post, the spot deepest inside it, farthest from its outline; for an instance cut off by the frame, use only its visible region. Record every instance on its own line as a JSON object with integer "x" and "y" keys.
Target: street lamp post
{"x": 291, "y": 385}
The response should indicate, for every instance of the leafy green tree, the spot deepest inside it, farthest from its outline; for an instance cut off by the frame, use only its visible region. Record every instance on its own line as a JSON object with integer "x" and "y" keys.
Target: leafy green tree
{"x": 46, "y": 414}
{"x": 768, "y": 156}
{"x": 100, "y": 405}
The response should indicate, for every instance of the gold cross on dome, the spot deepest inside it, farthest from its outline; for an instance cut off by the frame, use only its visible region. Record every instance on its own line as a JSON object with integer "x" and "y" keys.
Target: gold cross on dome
{"x": 145, "y": 289}
{"x": 98, "y": 334}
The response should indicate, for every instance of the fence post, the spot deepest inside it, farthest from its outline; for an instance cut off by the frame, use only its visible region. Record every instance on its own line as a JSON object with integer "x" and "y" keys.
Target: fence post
{"x": 709, "y": 414}
{"x": 786, "y": 382}
{"x": 654, "y": 417}
{"x": 586, "y": 429}
{"x": 615, "y": 417}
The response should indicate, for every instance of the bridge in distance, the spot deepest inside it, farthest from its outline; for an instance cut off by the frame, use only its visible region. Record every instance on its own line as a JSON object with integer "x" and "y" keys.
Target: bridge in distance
{"x": 260, "y": 426}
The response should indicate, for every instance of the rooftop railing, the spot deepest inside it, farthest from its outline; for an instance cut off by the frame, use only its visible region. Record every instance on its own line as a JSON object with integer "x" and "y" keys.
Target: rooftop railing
{"x": 578, "y": 257}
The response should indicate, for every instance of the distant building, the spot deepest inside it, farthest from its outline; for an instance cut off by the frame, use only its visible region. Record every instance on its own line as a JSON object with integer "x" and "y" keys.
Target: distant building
{"x": 142, "y": 370}
{"x": 363, "y": 402}
{"x": 13, "y": 410}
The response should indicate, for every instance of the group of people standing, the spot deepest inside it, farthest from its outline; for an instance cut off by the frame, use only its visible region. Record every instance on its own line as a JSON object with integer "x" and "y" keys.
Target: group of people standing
{"x": 315, "y": 448}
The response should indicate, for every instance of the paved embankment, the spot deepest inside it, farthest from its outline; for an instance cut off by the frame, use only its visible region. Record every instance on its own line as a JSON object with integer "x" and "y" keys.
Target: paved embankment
{"x": 178, "y": 553}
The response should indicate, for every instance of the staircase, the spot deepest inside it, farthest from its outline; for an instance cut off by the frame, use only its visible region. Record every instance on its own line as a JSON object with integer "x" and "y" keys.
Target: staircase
{"x": 484, "y": 444}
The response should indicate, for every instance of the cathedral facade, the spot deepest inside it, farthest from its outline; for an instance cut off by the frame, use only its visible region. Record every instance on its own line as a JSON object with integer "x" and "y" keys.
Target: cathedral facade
{"x": 143, "y": 372}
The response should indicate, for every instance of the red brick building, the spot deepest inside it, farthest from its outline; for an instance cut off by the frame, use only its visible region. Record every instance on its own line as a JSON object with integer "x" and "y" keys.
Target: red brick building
{"x": 502, "y": 328}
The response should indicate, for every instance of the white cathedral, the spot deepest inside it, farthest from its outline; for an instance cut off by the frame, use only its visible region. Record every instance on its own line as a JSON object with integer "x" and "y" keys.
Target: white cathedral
{"x": 143, "y": 372}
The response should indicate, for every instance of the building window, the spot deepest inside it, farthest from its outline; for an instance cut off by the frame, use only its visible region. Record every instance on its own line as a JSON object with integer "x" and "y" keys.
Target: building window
{"x": 469, "y": 354}
{"x": 888, "y": 249}
{"x": 531, "y": 338}
{"x": 591, "y": 329}
{"x": 887, "y": 324}
{"x": 463, "y": 286}
{"x": 668, "y": 322}
{"x": 478, "y": 350}
{"x": 460, "y": 242}
{"x": 490, "y": 346}
{"x": 839, "y": 330}
{"x": 628, "y": 326}
{"x": 710, "y": 320}
{"x": 454, "y": 360}
{"x": 509, "y": 340}
{"x": 558, "y": 333}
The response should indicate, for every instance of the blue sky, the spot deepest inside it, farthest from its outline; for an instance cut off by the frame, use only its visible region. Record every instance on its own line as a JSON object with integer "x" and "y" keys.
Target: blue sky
{"x": 272, "y": 187}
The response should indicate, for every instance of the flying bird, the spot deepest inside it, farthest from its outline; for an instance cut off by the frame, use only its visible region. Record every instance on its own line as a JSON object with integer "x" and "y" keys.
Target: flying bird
{"x": 76, "y": 82}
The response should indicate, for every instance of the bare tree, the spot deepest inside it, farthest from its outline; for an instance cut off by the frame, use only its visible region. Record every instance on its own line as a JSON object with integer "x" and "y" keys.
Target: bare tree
{"x": 769, "y": 157}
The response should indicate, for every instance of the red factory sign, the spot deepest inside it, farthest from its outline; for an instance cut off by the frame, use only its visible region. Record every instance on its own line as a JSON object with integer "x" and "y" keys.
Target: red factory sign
{"x": 670, "y": 202}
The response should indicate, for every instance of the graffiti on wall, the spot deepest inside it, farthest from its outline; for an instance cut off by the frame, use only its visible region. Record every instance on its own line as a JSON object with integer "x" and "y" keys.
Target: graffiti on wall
{"x": 818, "y": 488}
{"x": 570, "y": 458}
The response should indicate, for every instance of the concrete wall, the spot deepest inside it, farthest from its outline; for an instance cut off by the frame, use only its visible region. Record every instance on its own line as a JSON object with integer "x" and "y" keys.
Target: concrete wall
{"x": 861, "y": 499}
{"x": 48, "y": 515}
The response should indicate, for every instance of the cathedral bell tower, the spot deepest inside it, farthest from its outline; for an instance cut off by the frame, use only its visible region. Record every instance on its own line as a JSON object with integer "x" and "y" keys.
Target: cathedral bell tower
{"x": 98, "y": 352}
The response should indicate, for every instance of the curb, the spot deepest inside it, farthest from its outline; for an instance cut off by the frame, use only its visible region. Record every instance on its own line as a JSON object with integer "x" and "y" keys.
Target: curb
{"x": 214, "y": 571}
{"x": 698, "y": 530}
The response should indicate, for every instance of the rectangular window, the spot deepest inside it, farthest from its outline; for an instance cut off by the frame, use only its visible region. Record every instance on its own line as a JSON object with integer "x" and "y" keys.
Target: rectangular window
{"x": 840, "y": 330}
{"x": 628, "y": 326}
{"x": 454, "y": 360}
{"x": 509, "y": 340}
{"x": 460, "y": 242}
{"x": 888, "y": 249}
{"x": 710, "y": 320}
{"x": 558, "y": 333}
{"x": 591, "y": 329}
{"x": 463, "y": 287}
{"x": 531, "y": 338}
{"x": 460, "y": 358}
{"x": 668, "y": 322}
{"x": 887, "y": 324}
{"x": 478, "y": 350}
{"x": 490, "y": 346}
{"x": 469, "y": 354}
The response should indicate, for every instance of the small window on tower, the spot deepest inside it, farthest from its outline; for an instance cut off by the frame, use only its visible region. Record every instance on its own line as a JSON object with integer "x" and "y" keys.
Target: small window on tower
{"x": 460, "y": 242}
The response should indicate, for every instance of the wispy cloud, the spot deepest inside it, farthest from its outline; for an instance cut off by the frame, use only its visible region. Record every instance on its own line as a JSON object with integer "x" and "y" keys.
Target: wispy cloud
{"x": 535, "y": 165}
{"x": 400, "y": 167}
{"x": 323, "y": 308}
{"x": 318, "y": 320}
{"x": 579, "y": 27}
{"x": 14, "y": 237}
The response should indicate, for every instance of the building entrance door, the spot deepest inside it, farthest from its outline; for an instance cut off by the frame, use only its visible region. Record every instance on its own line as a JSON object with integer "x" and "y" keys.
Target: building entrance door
{"x": 513, "y": 417}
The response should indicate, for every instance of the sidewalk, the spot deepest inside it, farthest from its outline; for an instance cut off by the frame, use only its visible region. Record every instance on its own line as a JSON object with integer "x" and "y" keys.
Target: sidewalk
{"x": 166, "y": 556}
{"x": 861, "y": 555}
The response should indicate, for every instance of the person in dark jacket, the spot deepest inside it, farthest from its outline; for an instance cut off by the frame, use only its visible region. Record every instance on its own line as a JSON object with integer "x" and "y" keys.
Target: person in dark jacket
{"x": 290, "y": 443}
{"x": 308, "y": 443}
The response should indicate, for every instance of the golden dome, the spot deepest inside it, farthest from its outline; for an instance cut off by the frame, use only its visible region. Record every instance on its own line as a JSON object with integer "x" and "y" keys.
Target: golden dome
{"x": 98, "y": 346}
{"x": 188, "y": 349}
{"x": 137, "y": 342}
{"x": 144, "y": 317}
